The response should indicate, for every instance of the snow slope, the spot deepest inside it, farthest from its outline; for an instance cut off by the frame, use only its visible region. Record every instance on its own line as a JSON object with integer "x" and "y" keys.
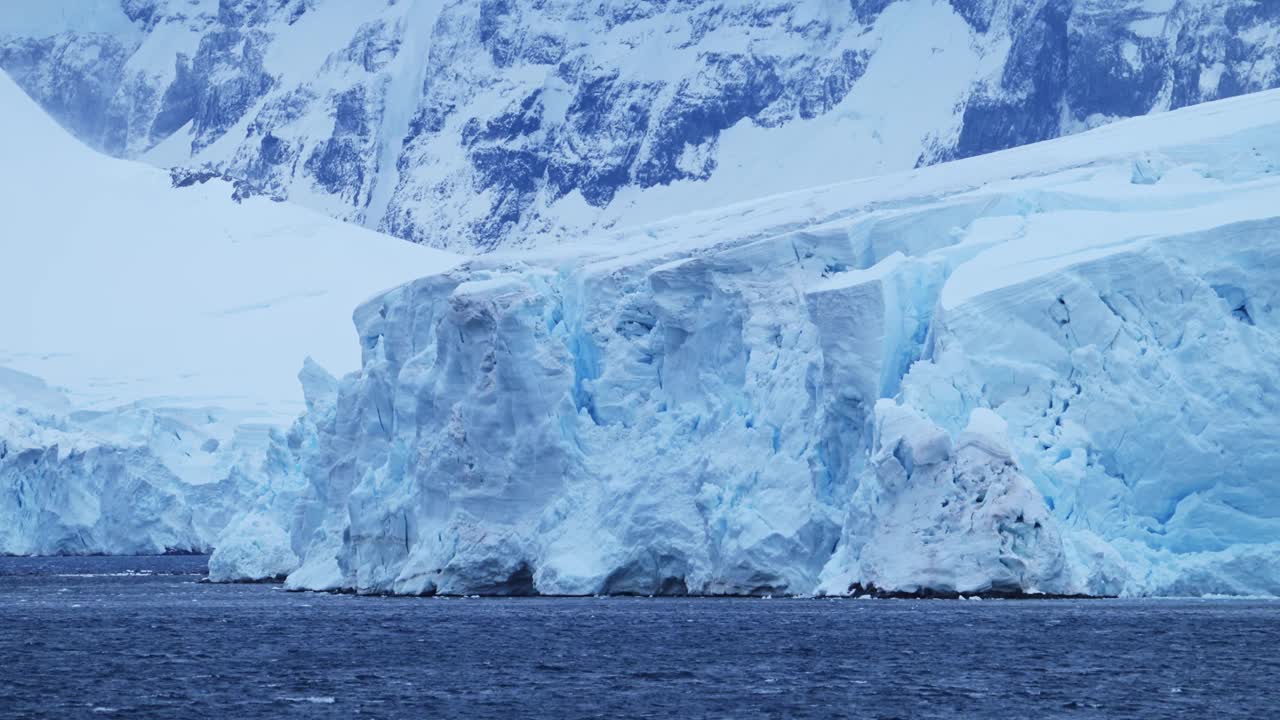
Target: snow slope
{"x": 479, "y": 125}
{"x": 172, "y": 323}
{"x": 1049, "y": 369}
{"x": 120, "y": 288}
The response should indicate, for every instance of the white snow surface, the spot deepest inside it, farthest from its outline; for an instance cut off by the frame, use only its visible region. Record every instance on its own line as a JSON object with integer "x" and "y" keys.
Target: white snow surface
{"x": 1050, "y": 369}
{"x": 169, "y": 325}
{"x": 120, "y": 288}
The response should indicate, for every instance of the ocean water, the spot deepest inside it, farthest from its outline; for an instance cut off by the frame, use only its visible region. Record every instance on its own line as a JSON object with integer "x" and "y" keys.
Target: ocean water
{"x": 143, "y": 638}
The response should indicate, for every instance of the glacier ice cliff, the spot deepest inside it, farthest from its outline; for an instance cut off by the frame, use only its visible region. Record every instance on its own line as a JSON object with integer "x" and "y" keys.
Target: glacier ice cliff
{"x": 61, "y": 492}
{"x": 472, "y": 124}
{"x": 1142, "y": 386}
{"x": 130, "y": 480}
{"x": 141, "y": 480}
{"x": 255, "y": 543}
{"x": 1050, "y": 369}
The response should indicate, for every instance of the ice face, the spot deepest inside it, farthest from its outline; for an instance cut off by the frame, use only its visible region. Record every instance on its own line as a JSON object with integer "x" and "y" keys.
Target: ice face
{"x": 698, "y": 405}
{"x": 1139, "y": 384}
{"x": 585, "y": 430}
{"x": 71, "y": 484}
{"x": 946, "y": 517}
{"x": 950, "y": 380}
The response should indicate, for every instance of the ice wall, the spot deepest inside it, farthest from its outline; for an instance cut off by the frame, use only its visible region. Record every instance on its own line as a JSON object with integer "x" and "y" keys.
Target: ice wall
{"x": 1142, "y": 389}
{"x": 70, "y": 485}
{"x": 946, "y": 516}
{"x": 639, "y": 427}
{"x": 60, "y": 498}
{"x": 138, "y": 480}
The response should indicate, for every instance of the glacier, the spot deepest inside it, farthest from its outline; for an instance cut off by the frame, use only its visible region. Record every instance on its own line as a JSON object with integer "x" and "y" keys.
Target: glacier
{"x": 1044, "y": 370}
{"x": 476, "y": 125}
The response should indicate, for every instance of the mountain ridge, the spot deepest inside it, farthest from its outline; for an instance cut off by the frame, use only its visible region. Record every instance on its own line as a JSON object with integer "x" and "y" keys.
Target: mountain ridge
{"x": 481, "y": 125}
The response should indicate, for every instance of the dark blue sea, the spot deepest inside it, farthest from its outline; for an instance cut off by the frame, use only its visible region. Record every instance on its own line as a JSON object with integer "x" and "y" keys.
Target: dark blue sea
{"x": 143, "y": 638}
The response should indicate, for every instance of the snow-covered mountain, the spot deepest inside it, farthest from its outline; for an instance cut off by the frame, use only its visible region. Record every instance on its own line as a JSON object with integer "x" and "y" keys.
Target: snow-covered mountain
{"x": 1045, "y": 369}
{"x": 478, "y": 124}
{"x": 171, "y": 324}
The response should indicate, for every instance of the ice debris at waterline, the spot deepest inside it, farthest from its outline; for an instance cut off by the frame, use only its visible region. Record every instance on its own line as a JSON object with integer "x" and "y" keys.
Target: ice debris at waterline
{"x": 1051, "y": 369}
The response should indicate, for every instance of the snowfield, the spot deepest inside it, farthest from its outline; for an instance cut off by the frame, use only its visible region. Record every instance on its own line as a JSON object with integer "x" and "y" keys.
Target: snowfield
{"x": 120, "y": 287}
